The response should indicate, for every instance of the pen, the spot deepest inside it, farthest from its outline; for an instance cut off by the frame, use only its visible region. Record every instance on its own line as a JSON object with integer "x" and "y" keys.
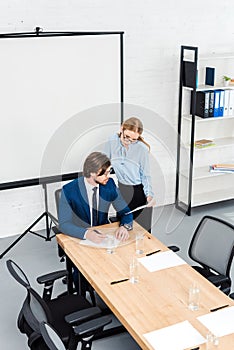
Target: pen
{"x": 97, "y": 232}
{"x": 156, "y": 251}
{"x": 115, "y": 282}
{"x": 219, "y": 308}
{"x": 195, "y": 348}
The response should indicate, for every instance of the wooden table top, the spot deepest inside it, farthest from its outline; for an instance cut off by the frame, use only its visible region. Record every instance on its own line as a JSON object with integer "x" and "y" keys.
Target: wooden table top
{"x": 158, "y": 300}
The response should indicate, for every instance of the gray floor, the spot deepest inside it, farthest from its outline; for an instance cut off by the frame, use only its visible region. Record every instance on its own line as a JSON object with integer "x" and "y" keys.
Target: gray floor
{"x": 36, "y": 257}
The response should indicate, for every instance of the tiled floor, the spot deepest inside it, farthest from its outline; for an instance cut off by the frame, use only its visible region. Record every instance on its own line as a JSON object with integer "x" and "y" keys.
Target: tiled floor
{"x": 36, "y": 257}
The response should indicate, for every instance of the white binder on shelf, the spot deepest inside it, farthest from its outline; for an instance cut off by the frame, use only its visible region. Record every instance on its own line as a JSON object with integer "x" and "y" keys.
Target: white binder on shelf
{"x": 226, "y": 102}
{"x": 231, "y": 102}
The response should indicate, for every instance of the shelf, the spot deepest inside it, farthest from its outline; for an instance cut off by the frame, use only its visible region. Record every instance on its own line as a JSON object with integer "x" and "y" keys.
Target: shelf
{"x": 215, "y": 56}
{"x": 203, "y": 87}
{"x": 193, "y": 178}
{"x": 211, "y": 197}
{"x": 222, "y": 142}
{"x": 203, "y": 173}
{"x": 225, "y": 142}
{"x": 209, "y": 120}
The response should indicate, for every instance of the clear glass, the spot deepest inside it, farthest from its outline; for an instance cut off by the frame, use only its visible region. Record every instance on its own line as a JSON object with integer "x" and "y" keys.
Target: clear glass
{"x": 134, "y": 270}
{"x": 139, "y": 243}
{"x": 194, "y": 298}
{"x": 110, "y": 244}
{"x": 211, "y": 341}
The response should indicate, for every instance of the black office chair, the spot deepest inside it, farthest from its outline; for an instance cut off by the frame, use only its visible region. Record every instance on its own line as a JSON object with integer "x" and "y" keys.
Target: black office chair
{"x": 57, "y": 195}
{"x": 212, "y": 246}
{"x": 81, "y": 284}
{"x": 53, "y": 340}
{"x": 64, "y": 313}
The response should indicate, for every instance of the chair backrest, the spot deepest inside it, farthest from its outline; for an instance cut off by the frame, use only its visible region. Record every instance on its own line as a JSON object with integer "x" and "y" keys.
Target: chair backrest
{"x": 212, "y": 244}
{"x": 57, "y": 195}
{"x": 34, "y": 309}
{"x": 17, "y": 273}
{"x": 51, "y": 337}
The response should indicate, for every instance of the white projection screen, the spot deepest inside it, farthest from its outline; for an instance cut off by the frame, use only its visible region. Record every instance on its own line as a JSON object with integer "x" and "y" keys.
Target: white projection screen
{"x": 60, "y": 97}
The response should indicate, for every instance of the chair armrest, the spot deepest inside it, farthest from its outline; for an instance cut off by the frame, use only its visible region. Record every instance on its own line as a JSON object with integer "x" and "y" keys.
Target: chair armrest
{"x": 53, "y": 276}
{"x": 231, "y": 295}
{"x": 82, "y": 315}
{"x": 89, "y": 328}
{"x": 33, "y": 337}
{"x": 218, "y": 279}
{"x": 174, "y": 248}
{"x": 113, "y": 219}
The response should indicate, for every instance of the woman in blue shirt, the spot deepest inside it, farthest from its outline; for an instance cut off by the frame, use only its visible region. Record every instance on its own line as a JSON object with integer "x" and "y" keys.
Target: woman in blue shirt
{"x": 129, "y": 155}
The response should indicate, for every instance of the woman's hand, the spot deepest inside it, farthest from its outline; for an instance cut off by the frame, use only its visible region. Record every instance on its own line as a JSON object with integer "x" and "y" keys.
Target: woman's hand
{"x": 151, "y": 202}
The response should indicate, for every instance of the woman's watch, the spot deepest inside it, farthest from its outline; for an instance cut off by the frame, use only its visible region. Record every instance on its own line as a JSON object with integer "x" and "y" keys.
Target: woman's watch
{"x": 127, "y": 226}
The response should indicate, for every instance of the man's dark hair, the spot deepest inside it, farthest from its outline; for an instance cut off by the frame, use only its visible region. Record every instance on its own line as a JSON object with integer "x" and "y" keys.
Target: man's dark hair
{"x": 94, "y": 162}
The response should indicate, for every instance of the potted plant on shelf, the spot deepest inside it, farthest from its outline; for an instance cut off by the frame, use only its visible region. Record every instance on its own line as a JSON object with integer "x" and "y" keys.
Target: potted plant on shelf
{"x": 226, "y": 80}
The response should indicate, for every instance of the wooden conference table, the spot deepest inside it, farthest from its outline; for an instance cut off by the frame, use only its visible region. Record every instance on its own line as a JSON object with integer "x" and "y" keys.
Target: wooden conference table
{"x": 158, "y": 300}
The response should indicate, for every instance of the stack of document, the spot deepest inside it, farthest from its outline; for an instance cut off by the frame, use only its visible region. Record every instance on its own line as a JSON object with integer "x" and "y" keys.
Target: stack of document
{"x": 203, "y": 143}
{"x": 222, "y": 168}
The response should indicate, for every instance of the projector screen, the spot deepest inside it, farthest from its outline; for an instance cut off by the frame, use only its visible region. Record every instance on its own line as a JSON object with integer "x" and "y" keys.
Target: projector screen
{"x": 60, "y": 99}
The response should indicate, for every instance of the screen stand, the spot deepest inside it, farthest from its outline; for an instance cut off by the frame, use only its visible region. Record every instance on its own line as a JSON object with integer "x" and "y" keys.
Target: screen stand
{"x": 49, "y": 219}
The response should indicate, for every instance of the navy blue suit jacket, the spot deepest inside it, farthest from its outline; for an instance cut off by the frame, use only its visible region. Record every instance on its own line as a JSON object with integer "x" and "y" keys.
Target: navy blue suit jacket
{"x": 74, "y": 211}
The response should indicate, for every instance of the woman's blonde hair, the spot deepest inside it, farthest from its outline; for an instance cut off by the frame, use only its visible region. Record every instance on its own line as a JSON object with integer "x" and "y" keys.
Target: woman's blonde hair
{"x": 134, "y": 124}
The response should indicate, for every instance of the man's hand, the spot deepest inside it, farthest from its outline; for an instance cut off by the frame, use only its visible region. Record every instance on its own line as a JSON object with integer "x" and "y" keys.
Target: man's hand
{"x": 122, "y": 233}
{"x": 95, "y": 236}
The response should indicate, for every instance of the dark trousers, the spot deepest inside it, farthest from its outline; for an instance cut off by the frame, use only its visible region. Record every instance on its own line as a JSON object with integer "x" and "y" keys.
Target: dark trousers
{"x": 134, "y": 197}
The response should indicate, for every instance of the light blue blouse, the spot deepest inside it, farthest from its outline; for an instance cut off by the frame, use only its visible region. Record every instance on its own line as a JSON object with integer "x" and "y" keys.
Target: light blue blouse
{"x": 131, "y": 165}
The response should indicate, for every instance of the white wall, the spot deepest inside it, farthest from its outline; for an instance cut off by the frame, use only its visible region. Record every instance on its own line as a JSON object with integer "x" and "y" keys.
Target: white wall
{"x": 154, "y": 31}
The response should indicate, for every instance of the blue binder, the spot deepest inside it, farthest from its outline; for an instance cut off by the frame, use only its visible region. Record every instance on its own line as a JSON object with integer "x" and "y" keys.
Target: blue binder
{"x": 221, "y": 103}
{"x": 216, "y": 102}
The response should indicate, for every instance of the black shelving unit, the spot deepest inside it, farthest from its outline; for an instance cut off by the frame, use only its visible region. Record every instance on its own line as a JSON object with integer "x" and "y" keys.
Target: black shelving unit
{"x": 188, "y": 79}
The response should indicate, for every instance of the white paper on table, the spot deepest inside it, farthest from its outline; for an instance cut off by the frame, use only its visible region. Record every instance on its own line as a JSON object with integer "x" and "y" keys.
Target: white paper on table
{"x": 220, "y": 322}
{"x": 179, "y": 336}
{"x": 103, "y": 244}
{"x": 161, "y": 260}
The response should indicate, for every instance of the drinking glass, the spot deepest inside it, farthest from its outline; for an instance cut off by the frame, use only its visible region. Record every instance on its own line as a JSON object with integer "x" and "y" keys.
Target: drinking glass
{"x": 194, "y": 297}
{"x": 134, "y": 270}
{"x": 110, "y": 244}
{"x": 139, "y": 243}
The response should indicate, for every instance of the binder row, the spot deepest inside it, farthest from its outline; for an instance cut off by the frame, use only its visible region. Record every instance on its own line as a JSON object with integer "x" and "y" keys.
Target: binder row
{"x": 214, "y": 103}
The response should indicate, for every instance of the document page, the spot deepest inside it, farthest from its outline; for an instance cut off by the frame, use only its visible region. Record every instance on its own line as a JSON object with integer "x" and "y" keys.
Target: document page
{"x": 161, "y": 260}
{"x": 138, "y": 208}
{"x": 103, "y": 244}
{"x": 219, "y": 322}
{"x": 176, "y": 337}
{"x": 108, "y": 232}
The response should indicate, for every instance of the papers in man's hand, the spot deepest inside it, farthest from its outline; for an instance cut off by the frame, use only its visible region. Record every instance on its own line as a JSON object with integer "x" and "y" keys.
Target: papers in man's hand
{"x": 161, "y": 260}
{"x": 176, "y": 337}
{"x": 136, "y": 209}
{"x": 220, "y": 322}
{"x": 103, "y": 244}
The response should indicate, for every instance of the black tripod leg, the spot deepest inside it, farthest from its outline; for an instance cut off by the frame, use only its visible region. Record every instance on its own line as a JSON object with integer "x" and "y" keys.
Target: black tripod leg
{"x": 46, "y": 211}
{"x": 22, "y": 235}
{"x": 48, "y": 226}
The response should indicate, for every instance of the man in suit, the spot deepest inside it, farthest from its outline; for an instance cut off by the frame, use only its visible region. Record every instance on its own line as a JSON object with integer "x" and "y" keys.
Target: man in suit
{"x": 80, "y": 208}
{"x": 77, "y": 214}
